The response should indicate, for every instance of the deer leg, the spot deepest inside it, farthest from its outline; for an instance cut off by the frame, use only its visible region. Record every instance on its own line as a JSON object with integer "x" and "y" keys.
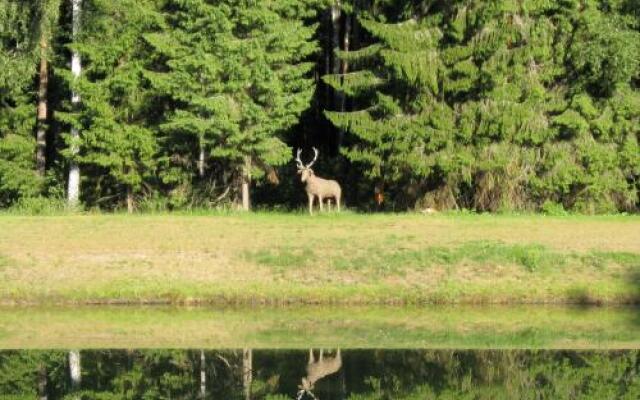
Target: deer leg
{"x": 338, "y": 202}
{"x": 329, "y": 201}
{"x": 310, "y": 203}
{"x": 321, "y": 354}
{"x": 320, "y": 199}
{"x": 311, "y": 360}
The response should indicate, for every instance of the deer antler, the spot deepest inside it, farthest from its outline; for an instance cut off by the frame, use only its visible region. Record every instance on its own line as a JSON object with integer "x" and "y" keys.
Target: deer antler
{"x": 315, "y": 158}
{"x": 298, "y": 160}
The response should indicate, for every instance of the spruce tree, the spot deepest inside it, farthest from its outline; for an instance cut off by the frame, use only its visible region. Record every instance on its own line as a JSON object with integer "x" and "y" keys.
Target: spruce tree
{"x": 497, "y": 105}
{"x": 238, "y": 77}
{"x": 18, "y": 176}
{"x": 116, "y": 144}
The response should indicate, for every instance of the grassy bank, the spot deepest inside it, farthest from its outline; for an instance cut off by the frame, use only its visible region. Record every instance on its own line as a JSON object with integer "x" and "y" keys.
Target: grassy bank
{"x": 459, "y": 327}
{"x": 290, "y": 258}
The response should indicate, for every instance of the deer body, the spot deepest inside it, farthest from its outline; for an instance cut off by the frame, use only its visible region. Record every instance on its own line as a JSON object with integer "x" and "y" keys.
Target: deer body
{"x": 322, "y": 189}
{"x": 318, "y": 187}
{"x": 318, "y": 369}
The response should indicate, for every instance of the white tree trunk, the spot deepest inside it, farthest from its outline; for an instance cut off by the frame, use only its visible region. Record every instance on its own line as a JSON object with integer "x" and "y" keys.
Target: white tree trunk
{"x": 73, "y": 192}
{"x": 203, "y": 375}
{"x": 247, "y": 372}
{"x": 75, "y": 369}
{"x": 201, "y": 161}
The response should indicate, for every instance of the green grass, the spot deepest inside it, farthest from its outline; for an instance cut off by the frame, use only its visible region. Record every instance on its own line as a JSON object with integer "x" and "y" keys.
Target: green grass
{"x": 381, "y": 261}
{"x": 320, "y": 327}
{"x": 345, "y": 258}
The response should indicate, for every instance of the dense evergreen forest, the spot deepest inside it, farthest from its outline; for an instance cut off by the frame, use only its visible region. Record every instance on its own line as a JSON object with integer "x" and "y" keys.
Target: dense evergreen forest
{"x": 499, "y": 105}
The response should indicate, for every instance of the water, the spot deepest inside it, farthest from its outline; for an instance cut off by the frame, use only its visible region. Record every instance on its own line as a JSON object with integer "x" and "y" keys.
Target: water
{"x": 347, "y": 374}
{"x": 323, "y": 353}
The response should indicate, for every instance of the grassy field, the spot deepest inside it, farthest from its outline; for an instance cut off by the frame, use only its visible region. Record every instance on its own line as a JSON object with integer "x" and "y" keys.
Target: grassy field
{"x": 459, "y": 327}
{"x": 327, "y": 259}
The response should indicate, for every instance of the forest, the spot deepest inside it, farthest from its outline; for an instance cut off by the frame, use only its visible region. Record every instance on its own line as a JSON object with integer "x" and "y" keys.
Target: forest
{"x": 499, "y": 105}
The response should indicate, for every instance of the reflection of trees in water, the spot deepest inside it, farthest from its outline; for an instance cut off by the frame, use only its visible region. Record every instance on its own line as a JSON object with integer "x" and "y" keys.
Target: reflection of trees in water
{"x": 360, "y": 375}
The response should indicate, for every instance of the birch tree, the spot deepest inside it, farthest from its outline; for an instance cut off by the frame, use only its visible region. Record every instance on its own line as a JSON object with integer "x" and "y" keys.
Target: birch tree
{"x": 247, "y": 372}
{"x": 75, "y": 369}
{"x": 73, "y": 186}
{"x": 203, "y": 375}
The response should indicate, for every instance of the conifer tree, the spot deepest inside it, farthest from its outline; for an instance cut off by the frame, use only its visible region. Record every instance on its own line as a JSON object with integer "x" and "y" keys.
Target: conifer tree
{"x": 238, "y": 77}
{"x": 497, "y": 105}
{"x": 18, "y": 176}
{"x": 116, "y": 143}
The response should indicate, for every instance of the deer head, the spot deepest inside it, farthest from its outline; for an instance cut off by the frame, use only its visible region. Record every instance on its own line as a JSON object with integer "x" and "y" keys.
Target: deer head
{"x": 305, "y": 171}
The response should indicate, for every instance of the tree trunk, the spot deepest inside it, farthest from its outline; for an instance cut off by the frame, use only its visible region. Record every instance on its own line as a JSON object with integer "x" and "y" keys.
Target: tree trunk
{"x": 246, "y": 182}
{"x": 336, "y": 13}
{"x": 201, "y": 161}
{"x": 203, "y": 375}
{"x": 42, "y": 382}
{"x": 73, "y": 192}
{"x": 41, "y": 134}
{"x": 247, "y": 372}
{"x": 75, "y": 369}
{"x": 344, "y": 68}
{"x": 130, "y": 200}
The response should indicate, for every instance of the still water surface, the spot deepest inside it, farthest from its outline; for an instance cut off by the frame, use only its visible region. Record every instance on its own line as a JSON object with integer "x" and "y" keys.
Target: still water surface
{"x": 339, "y": 374}
{"x": 377, "y": 353}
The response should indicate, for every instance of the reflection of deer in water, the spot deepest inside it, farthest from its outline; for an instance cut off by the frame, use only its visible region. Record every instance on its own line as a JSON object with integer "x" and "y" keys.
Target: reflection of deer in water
{"x": 318, "y": 369}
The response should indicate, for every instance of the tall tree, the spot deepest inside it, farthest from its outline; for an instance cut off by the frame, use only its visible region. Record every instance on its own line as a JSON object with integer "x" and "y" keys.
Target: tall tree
{"x": 73, "y": 185}
{"x": 75, "y": 369}
{"x": 495, "y": 105}
{"x": 246, "y": 88}
{"x": 203, "y": 375}
{"x": 114, "y": 116}
{"x": 18, "y": 177}
{"x": 247, "y": 372}
{"x": 47, "y": 18}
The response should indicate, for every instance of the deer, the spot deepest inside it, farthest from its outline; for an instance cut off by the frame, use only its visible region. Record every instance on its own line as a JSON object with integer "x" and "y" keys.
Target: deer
{"x": 318, "y": 369}
{"x": 316, "y": 186}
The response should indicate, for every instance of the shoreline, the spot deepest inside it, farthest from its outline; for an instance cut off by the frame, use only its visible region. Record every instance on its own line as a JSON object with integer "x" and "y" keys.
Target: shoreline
{"x": 440, "y": 327}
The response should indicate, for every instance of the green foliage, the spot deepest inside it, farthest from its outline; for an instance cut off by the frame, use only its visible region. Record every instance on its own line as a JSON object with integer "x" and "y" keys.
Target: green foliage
{"x": 492, "y": 106}
{"x": 497, "y": 106}
{"x": 116, "y": 142}
{"x": 39, "y": 206}
{"x": 238, "y": 79}
{"x": 17, "y": 105}
{"x": 367, "y": 374}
